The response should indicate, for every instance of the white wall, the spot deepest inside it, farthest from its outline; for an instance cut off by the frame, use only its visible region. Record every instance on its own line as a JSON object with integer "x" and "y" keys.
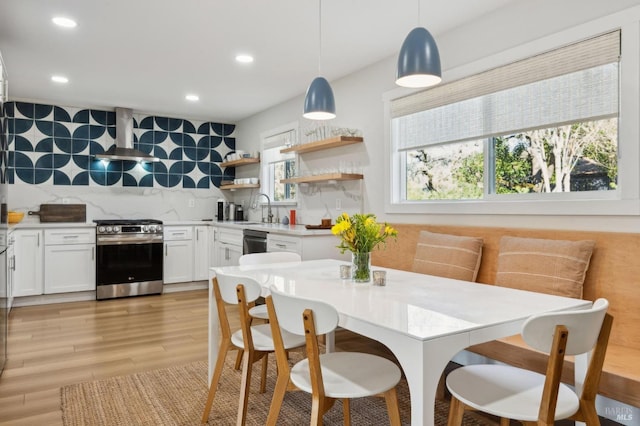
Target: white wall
{"x": 359, "y": 104}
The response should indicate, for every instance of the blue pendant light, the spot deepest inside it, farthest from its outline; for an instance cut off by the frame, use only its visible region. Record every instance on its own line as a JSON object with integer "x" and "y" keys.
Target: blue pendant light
{"x": 419, "y": 59}
{"x": 319, "y": 103}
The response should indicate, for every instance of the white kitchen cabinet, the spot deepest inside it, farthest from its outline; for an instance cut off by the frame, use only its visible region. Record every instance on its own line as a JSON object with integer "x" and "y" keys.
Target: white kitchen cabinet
{"x": 28, "y": 262}
{"x": 178, "y": 254}
{"x": 228, "y": 247}
{"x": 213, "y": 241}
{"x": 201, "y": 253}
{"x": 69, "y": 260}
{"x": 10, "y": 263}
{"x": 309, "y": 247}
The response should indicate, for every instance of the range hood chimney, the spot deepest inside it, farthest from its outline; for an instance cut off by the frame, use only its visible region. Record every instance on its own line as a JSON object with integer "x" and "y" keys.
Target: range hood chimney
{"x": 123, "y": 149}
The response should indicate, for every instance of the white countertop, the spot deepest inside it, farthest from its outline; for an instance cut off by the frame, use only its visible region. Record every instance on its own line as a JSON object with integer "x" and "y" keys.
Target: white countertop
{"x": 275, "y": 228}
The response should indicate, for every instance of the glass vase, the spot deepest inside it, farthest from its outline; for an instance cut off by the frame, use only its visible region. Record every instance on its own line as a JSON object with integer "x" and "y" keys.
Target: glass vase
{"x": 361, "y": 267}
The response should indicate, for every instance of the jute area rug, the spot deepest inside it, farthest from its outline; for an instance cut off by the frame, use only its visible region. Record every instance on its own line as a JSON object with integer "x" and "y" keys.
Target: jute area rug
{"x": 176, "y": 396}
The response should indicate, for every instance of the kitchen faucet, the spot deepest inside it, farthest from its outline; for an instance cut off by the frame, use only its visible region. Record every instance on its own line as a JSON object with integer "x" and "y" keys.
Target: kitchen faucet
{"x": 269, "y": 213}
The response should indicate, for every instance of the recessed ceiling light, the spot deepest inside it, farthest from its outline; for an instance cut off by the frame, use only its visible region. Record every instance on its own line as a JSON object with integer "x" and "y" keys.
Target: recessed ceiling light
{"x": 244, "y": 59}
{"x": 64, "y": 22}
{"x": 59, "y": 79}
{"x": 192, "y": 98}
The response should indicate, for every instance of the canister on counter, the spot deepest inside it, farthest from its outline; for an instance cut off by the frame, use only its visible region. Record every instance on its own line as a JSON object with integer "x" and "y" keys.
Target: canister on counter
{"x": 292, "y": 217}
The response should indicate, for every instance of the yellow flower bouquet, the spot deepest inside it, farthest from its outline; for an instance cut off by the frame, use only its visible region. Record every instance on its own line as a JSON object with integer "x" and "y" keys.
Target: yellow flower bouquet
{"x": 360, "y": 234}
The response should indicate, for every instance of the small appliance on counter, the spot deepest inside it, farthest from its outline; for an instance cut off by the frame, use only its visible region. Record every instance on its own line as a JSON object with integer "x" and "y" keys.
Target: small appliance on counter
{"x": 230, "y": 212}
{"x": 220, "y": 213}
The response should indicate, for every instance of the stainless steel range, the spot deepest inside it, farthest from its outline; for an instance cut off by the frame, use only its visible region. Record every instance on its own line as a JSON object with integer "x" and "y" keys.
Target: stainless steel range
{"x": 129, "y": 261}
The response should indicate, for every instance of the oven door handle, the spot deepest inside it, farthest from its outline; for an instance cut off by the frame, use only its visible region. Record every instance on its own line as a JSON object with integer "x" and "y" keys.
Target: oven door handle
{"x": 127, "y": 241}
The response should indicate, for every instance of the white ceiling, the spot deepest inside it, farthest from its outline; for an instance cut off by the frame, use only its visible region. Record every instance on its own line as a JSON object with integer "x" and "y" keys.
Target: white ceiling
{"x": 148, "y": 54}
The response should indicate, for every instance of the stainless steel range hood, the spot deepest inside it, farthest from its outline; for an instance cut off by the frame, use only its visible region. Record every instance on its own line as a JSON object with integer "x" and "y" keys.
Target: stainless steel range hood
{"x": 124, "y": 150}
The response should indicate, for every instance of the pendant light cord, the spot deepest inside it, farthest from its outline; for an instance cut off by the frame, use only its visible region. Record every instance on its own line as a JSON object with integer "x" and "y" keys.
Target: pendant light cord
{"x": 319, "y": 36}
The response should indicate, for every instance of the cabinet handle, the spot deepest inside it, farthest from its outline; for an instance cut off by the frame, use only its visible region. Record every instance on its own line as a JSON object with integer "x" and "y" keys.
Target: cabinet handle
{"x": 166, "y": 250}
{"x": 13, "y": 262}
{"x": 226, "y": 253}
{"x": 38, "y": 243}
{"x": 93, "y": 253}
{"x": 197, "y": 234}
{"x": 70, "y": 236}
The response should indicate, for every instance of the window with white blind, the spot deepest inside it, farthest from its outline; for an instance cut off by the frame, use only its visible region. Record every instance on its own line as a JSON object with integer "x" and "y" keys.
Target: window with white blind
{"x": 544, "y": 124}
{"x": 276, "y": 166}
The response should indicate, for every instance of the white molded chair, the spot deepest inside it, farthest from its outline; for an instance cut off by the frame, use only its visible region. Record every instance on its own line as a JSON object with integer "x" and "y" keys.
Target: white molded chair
{"x": 255, "y": 341}
{"x": 260, "y": 311}
{"x": 329, "y": 376}
{"x": 532, "y": 398}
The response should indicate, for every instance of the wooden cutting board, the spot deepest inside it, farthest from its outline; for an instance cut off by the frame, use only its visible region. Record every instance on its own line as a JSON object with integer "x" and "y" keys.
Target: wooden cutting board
{"x": 62, "y": 213}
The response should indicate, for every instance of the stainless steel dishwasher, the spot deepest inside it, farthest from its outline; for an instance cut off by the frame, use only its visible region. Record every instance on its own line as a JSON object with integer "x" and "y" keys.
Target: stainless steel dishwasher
{"x": 254, "y": 241}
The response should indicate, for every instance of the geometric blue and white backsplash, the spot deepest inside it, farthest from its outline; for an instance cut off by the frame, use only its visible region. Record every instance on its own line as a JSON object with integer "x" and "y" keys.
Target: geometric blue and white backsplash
{"x": 56, "y": 145}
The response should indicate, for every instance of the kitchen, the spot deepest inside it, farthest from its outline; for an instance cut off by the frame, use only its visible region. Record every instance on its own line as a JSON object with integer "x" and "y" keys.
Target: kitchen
{"x": 188, "y": 198}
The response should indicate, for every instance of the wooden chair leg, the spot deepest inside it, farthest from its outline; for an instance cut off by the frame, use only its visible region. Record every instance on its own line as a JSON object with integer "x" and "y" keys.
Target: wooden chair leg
{"x": 247, "y": 364}
{"x": 391, "y": 398}
{"x": 316, "y": 411}
{"x": 238, "y": 363}
{"x": 504, "y": 421}
{"x": 215, "y": 379}
{"x": 456, "y": 412}
{"x": 263, "y": 376}
{"x": 282, "y": 383}
{"x": 587, "y": 414}
{"x": 346, "y": 411}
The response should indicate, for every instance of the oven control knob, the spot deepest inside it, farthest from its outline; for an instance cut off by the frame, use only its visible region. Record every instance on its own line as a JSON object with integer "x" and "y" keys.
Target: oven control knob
{"x": 109, "y": 229}
{"x": 152, "y": 228}
{"x": 159, "y": 228}
{"x": 101, "y": 229}
{"x": 116, "y": 229}
{"x": 145, "y": 228}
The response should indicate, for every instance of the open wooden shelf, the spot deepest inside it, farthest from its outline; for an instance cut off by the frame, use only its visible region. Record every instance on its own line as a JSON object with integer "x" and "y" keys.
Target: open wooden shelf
{"x": 240, "y": 186}
{"x": 323, "y": 144}
{"x": 240, "y": 162}
{"x": 323, "y": 178}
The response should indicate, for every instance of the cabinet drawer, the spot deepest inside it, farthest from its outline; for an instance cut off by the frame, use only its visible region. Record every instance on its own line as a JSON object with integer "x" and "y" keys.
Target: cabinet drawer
{"x": 177, "y": 233}
{"x": 69, "y": 236}
{"x": 230, "y": 236}
{"x": 283, "y": 243}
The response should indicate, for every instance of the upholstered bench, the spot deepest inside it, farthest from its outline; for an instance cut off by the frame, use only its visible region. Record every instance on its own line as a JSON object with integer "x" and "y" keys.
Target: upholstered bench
{"x": 613, "y": 273}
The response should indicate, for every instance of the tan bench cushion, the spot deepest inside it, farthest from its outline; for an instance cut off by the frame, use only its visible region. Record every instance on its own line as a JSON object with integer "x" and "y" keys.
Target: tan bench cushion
{"x": 449, "y": 256}
{"x": 546, "y": 266}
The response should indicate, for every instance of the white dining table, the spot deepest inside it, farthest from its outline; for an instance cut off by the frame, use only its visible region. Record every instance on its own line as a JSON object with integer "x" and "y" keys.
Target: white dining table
{"x": 424, "y": 320}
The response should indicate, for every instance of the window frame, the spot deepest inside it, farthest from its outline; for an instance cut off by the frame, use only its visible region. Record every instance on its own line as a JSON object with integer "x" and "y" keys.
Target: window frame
{"x": 266, "y": 182}
{"x": 623, "y": 201}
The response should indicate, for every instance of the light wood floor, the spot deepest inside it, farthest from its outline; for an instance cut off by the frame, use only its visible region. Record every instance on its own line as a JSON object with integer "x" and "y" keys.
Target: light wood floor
{"x": 54, "y": 345}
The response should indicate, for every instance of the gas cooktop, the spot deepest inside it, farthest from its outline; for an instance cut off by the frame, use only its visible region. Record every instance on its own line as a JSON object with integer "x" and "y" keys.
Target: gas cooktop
{"x": 128, "y": 222}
